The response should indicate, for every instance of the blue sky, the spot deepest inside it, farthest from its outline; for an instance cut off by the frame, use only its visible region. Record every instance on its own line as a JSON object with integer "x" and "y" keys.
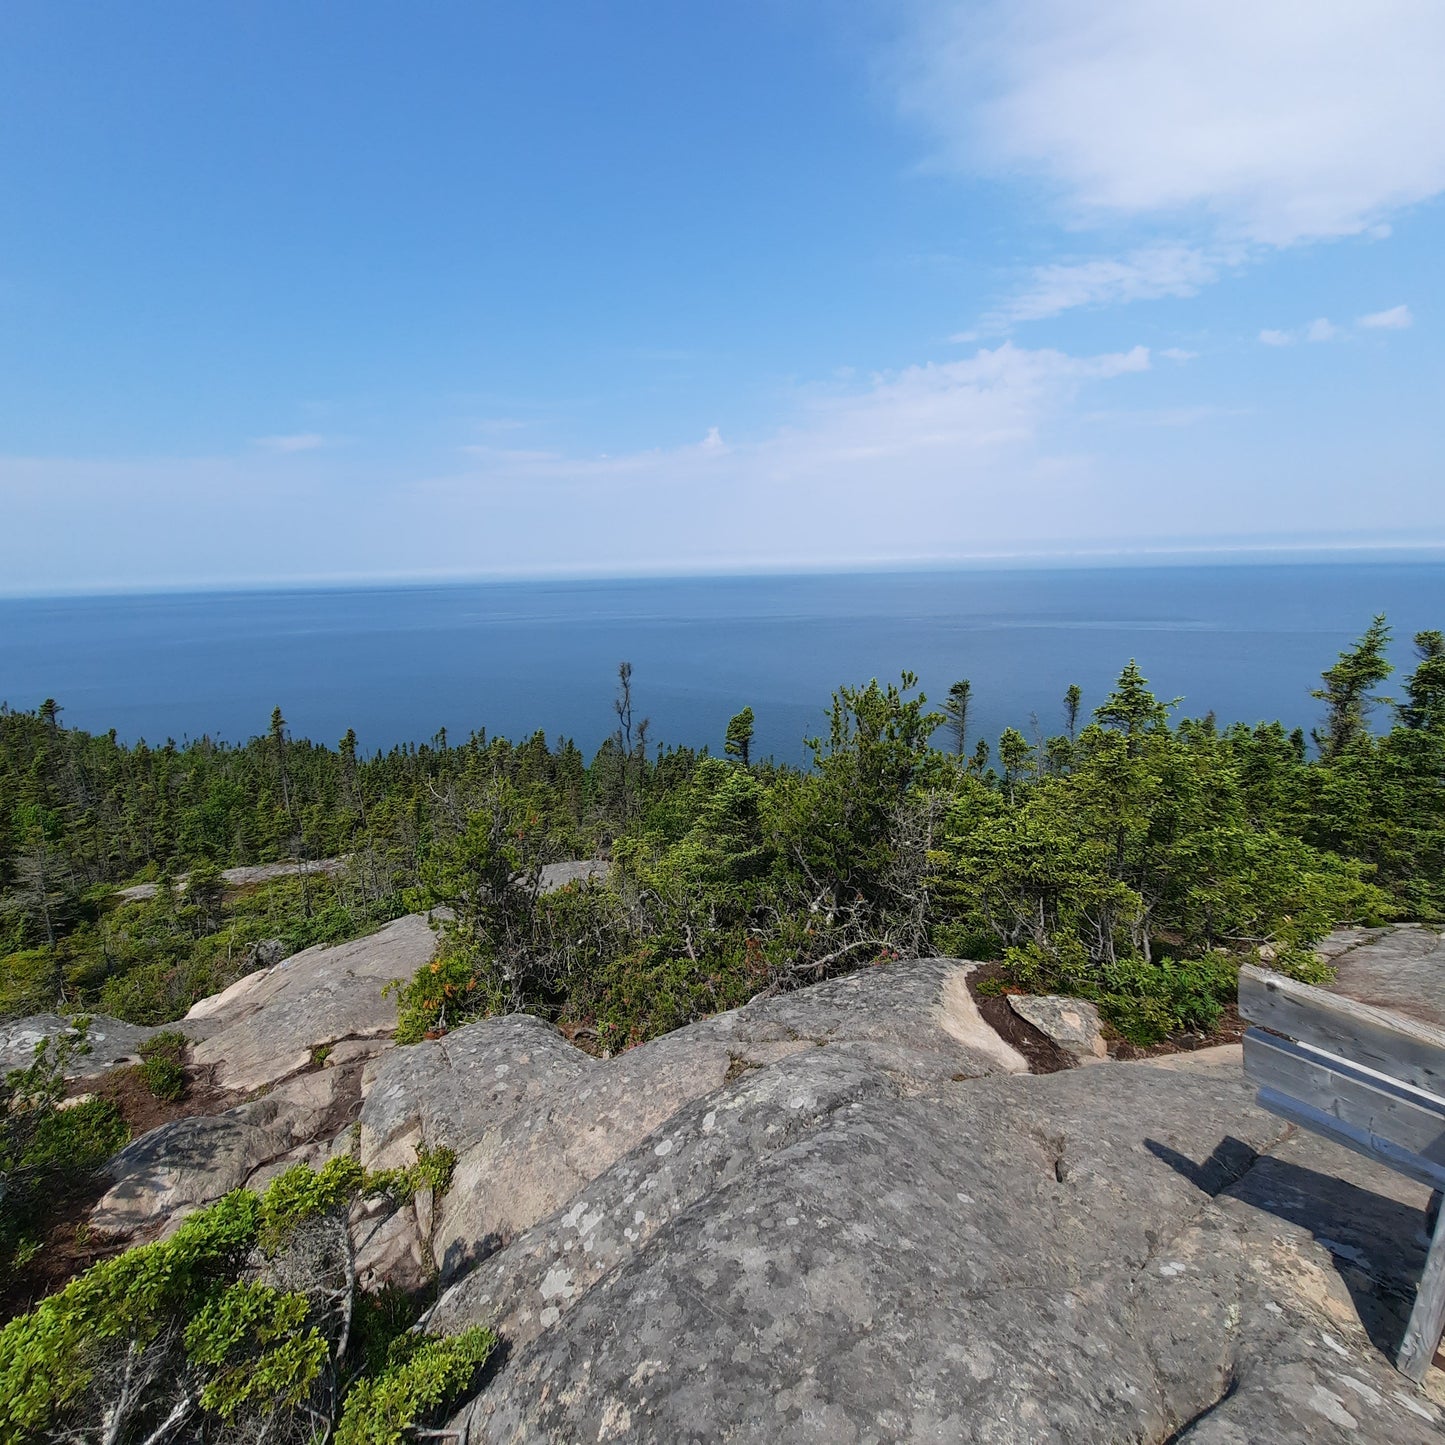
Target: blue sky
{"x": 302, "y": 291}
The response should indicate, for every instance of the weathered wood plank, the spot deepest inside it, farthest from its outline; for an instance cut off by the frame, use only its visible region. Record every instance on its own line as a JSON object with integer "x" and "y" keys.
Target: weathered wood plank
{"x": 1427, "y": 1319}
{"x": 1403, "y": 1048}
{"x": 1402, "y": 1161}
{"x": 1382, "y": 1107}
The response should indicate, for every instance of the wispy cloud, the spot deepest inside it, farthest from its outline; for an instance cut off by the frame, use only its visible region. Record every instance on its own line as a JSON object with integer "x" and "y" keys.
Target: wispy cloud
{"x": 1279, "y": 123}
{"x": 937, "y": 459}
{"x": 849, "y": 474}
{"x": 1320, "y": 329}
{"x": 1397, "y": 318}
{"x": 297, "y": 442}
{"x": 1236, "y": 127}
{"x": 1146, "y": 274}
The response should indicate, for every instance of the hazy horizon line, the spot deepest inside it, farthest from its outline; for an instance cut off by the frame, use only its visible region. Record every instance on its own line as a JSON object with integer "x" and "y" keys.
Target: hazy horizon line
{"x": 1220, "y": 554}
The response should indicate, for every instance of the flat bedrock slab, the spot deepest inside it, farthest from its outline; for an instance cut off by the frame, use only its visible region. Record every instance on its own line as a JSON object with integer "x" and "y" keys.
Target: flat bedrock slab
{"x": 533, "y": 1119}
{"x": 112, "y": 1042}
{"x": 241, "y": 877}
{"x": 827, "y": 1252}
{"x": 263, "y": 1036}
{"x": 266, "y": 1026}
{"x": 1401, "y": 968}
{"x": 559, "y": 875}
{"x": 1071, "y": 1023}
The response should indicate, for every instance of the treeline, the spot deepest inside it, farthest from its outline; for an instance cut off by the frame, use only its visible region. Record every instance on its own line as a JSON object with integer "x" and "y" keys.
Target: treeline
{"x": 1130, "y": 855}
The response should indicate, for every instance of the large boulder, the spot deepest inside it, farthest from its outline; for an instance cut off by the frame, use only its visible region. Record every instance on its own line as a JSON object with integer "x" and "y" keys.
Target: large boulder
{"x": 296, "y": 1046}
{"x": 109, "y": 1043}
{"x": 828, "y": 1251}
{"x": 273, "y": 1022}
{"x": 533, "y": 1119}
{"x": 1071, "y": 1024}
{"x": 188, "y": 1162}
{"x": 1402, "y": 969}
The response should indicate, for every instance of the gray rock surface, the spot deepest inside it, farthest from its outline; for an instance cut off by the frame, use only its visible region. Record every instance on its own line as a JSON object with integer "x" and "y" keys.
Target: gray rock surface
{"x": 1402, "y": 968}
{"x": 533, "y": 1119}
{"x": 112, "y": 1042}
{"x": 1071, "y": 1023}
{"x": 190, "y": 1162}
{"x": 179, "y": 1166}
{"x": 826, "y": 1252}
{"x": 559, "y": 875}
{"x": 843, "y": 1214}
{"x": 242, "y": 877}
{"x": 268, "y": 1025}
{"x": 302, "y": 1039}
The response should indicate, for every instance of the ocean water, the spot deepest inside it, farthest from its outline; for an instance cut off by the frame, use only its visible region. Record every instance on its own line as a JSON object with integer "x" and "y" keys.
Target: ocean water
{"x": 397, "y": 663}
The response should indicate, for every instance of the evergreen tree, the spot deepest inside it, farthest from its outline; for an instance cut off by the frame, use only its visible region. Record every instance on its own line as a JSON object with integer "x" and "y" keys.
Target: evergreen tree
{"x": 1347, "y": 691}
{"x": 739, "y": 739}
{"x": 955, "y": 711}
{"x": 1073, "y": 699}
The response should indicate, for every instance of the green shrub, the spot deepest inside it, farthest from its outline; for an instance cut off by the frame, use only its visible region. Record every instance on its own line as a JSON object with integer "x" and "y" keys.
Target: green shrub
{"x": 75, "y": 1140}
{"x": 1145, "y": 1002}
{"x": 195, "y": 1323}
{"x": 424, "y": 1373}
{"x": 162, "y": 1064}
{"x": 381, "y": 1317}
{"x": 27, "y": 982}
{"x": 433, "y": 1170}
{"x": 47, "y": 1152}
{"x": 165, "y": 1080}
{"x": 255, "y": 1342}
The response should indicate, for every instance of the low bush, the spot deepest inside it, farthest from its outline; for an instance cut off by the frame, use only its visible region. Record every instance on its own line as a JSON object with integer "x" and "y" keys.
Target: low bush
{"x": 47, "y": 1152}
{"x": 1146, "y": 1002}
{"x": 241, "y": 1321}
{"x": 163, "y": 1065}
{"x": 422, "y": 1373}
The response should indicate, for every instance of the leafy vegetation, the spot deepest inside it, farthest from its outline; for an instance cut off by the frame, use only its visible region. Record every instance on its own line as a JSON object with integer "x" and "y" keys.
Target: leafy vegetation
{"x": 46, "y": 1150}
{"x": 1125, "y": 857}
{"x": 163, "y": 1057}
{"x": 1133, "y": 857}
{"x": 239, "y": 1326}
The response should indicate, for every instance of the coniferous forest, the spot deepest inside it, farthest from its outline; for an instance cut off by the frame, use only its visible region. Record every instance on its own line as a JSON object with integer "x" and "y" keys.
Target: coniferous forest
{"x": 1128, "y": 854}
{"x": 1131, "y": 856}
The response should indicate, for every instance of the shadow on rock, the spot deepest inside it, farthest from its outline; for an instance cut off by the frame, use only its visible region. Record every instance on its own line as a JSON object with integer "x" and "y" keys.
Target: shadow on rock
{"x": 1230, "y": 1160}
{"x": 1377, "y": 1243}
{"x": 462, "y": 1257}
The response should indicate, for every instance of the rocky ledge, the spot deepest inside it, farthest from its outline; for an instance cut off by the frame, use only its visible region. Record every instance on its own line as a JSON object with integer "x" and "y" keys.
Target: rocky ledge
{"x": 843, "y": 1214}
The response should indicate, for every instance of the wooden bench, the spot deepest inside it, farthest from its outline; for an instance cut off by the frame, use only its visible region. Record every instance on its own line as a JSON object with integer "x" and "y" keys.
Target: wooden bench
{"x": 1369, "y": 1079}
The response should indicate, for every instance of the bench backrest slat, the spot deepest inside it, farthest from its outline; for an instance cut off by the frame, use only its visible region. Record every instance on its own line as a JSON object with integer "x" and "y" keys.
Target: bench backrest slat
{"x": 1370, "y": 1080}
{"x": 1317, "y": 1121}
{"x": 1378, "y": 1107}
{"x": 1403, "y": 1048}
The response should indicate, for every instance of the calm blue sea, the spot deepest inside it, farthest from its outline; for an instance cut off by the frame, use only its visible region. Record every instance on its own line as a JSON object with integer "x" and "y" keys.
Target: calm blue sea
{"x": 397, "y": 663}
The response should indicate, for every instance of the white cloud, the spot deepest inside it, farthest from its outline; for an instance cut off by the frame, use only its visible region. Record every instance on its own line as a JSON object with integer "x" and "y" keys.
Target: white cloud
{"x": 936, "y": 457}
{"x": 1145, "y": 274}
{"x": 1397, "y": 318}
{"x": 1178, "y": 354}
{"x": 1277, "y": 123}
{"x": 1320, "y": 329}
{"x": 1004, "y": 451}
{"x": 300, "y": 442}
{"x": 934, "y": 460}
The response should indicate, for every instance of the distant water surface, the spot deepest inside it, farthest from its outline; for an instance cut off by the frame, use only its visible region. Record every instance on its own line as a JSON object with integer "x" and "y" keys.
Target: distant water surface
{"x": 397, "y": 663}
